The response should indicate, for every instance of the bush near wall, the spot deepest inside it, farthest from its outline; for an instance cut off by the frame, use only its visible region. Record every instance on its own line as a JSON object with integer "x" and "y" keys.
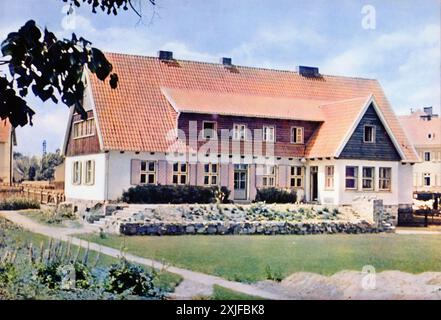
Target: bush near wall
{"x": 175, "y": 194}
{"x": 18, "y": 204}
{"x": 274, "y": 195}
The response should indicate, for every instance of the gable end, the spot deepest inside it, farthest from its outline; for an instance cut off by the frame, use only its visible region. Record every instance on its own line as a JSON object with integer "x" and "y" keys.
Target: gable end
{"x": 383, "y": 148}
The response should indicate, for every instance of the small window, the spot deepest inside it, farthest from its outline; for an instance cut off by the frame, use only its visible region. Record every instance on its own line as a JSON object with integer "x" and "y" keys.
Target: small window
{"x": 269, "y": 176}
{"x": 180, "y": 173}
{"x": 369, "y": 134}
{"x": 297, "y": 135}
{"x": 211, "y": 174}
{"x": 84, "y": 128}
{"x": 426, "y": 180}
{"x": 209, "y": 129}
{"x": 148, "y": 172}
{"x": 426, "y": 156}
{"x": 268, "y": 133}
{"x": 239, "y": 132}
{"x": 90, "y": 172}
{"x": 352, "y": 178}
{"x": 368, "y": 178}
{"x": 76, "y": 174}
{"x": 384, "y": 179}
{"x": 329, "y": 177}
{"x": 296, "y": 177}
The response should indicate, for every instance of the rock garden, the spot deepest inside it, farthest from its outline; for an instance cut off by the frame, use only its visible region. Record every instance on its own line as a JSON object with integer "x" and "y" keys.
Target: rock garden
{"x": 222, "y": 219}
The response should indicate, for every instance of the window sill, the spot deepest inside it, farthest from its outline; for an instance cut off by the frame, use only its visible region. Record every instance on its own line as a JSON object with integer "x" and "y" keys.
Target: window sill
{"x": 81, "y": 137}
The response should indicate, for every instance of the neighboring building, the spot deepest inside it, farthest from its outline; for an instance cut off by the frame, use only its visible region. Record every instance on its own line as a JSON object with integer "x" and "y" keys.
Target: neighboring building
{"x": 59, "y": 176}
{"x": 7, "y": 141}
{"x": 423, "y": 129}
{"x": 334, "y": 138}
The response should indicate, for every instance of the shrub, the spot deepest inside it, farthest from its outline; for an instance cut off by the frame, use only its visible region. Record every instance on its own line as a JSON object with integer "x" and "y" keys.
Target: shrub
{"x": 175, "y": 194}
{"x": 273, "y": 275}
{"x": 126, "y": 277}
{"x": 18, "y": 204}
{"x": 274, "y": 195}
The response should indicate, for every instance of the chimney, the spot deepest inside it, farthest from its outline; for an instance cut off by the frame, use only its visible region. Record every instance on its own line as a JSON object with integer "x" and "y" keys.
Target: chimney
{"x": 310, "y": 72}
{"x": 165, "y": 55}
{"x": 428, "y": 111}
{"x": 227, "y": 62}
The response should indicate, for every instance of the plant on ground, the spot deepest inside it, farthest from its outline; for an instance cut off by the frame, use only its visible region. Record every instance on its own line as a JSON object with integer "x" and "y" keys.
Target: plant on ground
{"x": 126, "y": 277}
{"x": 18, "y": 204}
{"x": 274, "y": 195}
{"x": 274, "y": 275}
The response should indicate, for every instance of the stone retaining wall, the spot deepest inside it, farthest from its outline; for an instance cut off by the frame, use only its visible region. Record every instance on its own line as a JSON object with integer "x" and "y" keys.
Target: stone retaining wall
{"x": 264, "y": 228}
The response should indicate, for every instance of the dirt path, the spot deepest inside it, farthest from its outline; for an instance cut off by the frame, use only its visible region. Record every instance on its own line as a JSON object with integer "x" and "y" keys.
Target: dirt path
{"x": 195, "y": 283}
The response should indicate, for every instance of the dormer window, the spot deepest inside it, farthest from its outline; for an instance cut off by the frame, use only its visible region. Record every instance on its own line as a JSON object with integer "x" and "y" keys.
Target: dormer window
{"x": 369, "y": 134}
{"x": 209, "y": 129}
{"x": 239, "y": 131}
{"x": 268, "y": 133}
{"x": 297, "y": 135}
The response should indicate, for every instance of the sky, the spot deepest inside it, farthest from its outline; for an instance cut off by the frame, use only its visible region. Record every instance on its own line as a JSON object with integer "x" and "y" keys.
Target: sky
{"x": 394, "y": 41}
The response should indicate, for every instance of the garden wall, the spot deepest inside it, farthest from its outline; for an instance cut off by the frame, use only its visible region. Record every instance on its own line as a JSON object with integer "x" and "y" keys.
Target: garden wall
{"x": 247, "y": 228}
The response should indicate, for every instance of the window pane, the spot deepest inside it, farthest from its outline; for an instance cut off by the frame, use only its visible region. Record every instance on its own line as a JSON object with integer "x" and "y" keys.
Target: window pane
{"x": 151, "y": 178}
{"x": 294, "y": 135}
{"x": 183, "y": 179}
{"x": 207, "y": 168}
{"x": 143, "y": 178}
{"x": 175, "y": 167}
{"x": 184, "y": 167}
{"x": 143, "y": 165}
{"x": 214, "y": 168}
{"x": 350, "y": 171}
{"x": 367, "y": 184}
{"x": 213, "y": 179}
{"x": 175, "y": 179}
{"x": 206, "y": 179}
{"x": 350, "y": 183}
{"x": 368, "y": 172}
{"x": 151, "y": 166}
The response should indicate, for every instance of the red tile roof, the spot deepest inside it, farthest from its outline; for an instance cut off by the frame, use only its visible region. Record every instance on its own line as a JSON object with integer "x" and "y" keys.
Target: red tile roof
{"x": 137, "y": 116}
{"x": 418, "y": 130}
{"x": 236, "y": 104}
{"x": 340, "y": 116}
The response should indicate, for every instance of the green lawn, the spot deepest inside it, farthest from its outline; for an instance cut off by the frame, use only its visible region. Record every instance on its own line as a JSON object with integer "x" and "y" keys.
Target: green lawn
{"x": 221, "y": 293}
{"x": 253, "y": 258}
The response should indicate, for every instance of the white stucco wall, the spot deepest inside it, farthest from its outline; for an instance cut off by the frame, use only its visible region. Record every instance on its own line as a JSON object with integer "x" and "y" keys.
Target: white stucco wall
{"x": 119, "y": 166}
{"x": 405, "y": 184}
{"x": 95, "y": 192}
{"x": 401, "y": 184}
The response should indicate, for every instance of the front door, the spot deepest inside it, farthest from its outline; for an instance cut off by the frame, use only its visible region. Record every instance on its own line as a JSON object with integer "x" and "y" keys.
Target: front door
{"x": 240, "y": 181}
{"x": 314, "y": 183}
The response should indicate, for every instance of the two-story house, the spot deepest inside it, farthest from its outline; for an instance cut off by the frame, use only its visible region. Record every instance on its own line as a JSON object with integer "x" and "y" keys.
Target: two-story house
{"x": 423, "y": 128}
{"x": 185, "y": 122}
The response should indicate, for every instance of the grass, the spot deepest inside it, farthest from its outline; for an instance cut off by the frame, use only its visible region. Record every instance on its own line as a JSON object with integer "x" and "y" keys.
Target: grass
{"x": 166, "y": 280}
{"x": 254, "y": 258}
{"x": 221, "y": 293}
{"x": 48, "y": 218}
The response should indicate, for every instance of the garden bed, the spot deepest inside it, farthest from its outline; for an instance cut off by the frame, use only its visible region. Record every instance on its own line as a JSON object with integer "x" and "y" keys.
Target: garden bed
{"x": 225, "y": 219}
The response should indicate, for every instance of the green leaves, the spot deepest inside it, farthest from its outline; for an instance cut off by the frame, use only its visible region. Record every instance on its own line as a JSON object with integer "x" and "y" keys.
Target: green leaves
{"x": 52, "y": 68}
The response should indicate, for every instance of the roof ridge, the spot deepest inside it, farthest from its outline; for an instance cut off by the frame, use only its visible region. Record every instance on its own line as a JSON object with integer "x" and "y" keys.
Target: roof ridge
{"x": 346, "y": 100}
{"x": 239, "y": 66}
